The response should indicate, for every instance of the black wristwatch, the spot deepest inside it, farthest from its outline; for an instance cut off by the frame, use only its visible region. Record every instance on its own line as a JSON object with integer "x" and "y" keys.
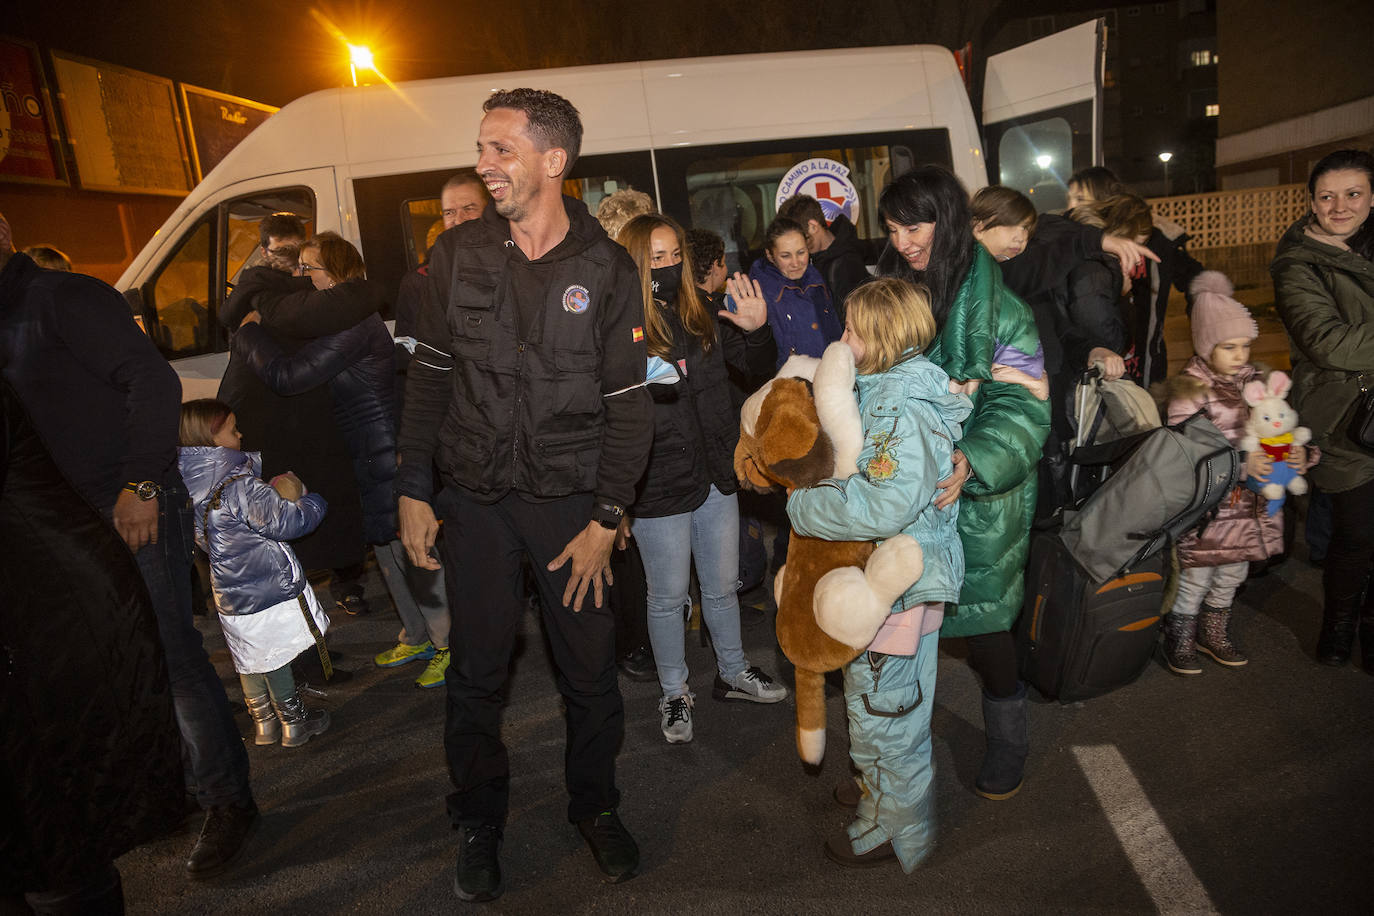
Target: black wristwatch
{"x": 608, "y": 515}
{"x": 144, "y": 489}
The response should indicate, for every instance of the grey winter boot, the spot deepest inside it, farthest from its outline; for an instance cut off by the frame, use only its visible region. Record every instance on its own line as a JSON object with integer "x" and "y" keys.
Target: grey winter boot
{"x": 1180, "y": 644}
{"x": 299, "y": 724}
{"x": 1008, "y": 737}
{"x": 1214, "y": 637}
{"x": 266, "y": 725}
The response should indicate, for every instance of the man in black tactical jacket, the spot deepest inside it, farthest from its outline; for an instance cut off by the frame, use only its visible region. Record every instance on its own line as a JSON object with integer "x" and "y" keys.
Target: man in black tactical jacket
{"x": 527, "y": 392}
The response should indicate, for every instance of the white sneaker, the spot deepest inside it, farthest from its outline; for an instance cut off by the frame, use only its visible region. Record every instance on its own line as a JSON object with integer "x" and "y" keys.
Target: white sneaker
{"x": 750, "y": 684}
{"x": 677, "y": 718}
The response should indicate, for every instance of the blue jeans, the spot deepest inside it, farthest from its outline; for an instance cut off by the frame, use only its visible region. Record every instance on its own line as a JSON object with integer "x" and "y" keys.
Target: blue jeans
{"x": 710, "y": 535}
{"x": 210, "y": 740}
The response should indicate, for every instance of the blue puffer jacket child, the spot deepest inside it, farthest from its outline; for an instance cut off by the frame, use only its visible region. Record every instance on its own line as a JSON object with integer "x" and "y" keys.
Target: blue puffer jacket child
{"x": 800, "y": 312}
{"x": 911, "y": 423}
{"x": 251, "y": 567}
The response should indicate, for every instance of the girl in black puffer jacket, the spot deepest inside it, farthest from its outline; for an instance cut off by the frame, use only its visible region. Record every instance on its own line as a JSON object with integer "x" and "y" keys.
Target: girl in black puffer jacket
{"x": 685, "y": 507}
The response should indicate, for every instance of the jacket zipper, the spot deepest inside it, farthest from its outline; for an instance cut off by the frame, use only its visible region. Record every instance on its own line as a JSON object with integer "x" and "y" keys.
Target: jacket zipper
{"x": 515, "y": 413}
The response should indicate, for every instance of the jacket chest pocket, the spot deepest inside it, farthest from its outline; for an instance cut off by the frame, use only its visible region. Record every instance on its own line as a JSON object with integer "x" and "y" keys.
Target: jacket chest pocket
{"x": 577, "y": 389}
{"x": 472, "y": 304}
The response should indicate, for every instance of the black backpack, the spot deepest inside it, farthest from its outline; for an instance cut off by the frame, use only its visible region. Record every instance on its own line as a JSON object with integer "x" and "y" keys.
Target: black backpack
{"x": 1164, "y": 483}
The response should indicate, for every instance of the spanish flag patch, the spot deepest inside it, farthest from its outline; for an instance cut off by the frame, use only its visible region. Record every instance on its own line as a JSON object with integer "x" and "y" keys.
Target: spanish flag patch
{"x": 637, "y": 334}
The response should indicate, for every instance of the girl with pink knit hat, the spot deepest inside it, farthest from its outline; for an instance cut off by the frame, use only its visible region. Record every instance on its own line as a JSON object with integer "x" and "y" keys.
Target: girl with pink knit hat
{"x": 1215, "y": 562}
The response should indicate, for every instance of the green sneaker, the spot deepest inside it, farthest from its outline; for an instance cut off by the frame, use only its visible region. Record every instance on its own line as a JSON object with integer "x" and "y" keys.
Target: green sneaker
{"x": 436, "y": 671}
{"x": 401, "y": 654}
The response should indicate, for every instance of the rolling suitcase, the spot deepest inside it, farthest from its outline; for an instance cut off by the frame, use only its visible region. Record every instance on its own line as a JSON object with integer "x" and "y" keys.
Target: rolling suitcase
{"x": 1077, "y": 638}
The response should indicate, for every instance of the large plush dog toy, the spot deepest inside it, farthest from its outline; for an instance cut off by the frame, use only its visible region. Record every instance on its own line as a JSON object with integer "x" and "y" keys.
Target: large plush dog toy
{"x": 832, "y": 595}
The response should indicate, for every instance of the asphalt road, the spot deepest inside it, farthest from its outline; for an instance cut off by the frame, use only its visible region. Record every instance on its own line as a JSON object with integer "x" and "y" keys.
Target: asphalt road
{"x": 1239, "y": 791}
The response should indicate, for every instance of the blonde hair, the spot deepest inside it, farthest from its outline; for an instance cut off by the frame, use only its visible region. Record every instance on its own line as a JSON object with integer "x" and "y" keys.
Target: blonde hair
{"x": 1123, "y": 215}
{"x": 617, "y": 209}
{"x": 696, "y": 320}
{"x": 890, "y": 316}
{"x": 201, "y": 419}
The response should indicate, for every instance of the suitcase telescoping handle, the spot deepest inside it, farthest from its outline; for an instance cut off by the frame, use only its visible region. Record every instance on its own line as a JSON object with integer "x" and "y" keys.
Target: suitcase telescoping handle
{"x": 1163, "y": 538}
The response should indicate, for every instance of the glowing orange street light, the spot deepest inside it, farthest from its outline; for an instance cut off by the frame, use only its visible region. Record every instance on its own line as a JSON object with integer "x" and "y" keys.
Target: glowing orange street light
{"x": 359, "y": 57}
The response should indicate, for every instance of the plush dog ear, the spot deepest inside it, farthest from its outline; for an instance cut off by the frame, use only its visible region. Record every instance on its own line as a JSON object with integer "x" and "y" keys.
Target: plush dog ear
{"x": 747, "y": 467}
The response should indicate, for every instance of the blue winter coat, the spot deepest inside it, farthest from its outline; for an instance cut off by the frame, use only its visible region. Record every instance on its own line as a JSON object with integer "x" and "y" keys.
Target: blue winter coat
{"x": 359, "y": 366}
{"x": 911, "y": 423}
{"x": 800, "y": 313}
{"x": 251, "y": 568}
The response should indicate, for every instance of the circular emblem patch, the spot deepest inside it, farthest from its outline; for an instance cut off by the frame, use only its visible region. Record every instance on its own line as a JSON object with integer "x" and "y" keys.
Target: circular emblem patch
{"x": 576, "y": 299}
{"x": 826, "y": 180}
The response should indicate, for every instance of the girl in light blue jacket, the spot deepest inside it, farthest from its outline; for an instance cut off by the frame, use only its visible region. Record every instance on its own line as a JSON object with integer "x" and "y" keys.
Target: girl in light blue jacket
{"x": 266, "y": 607}
{"x": 911, "y": 422}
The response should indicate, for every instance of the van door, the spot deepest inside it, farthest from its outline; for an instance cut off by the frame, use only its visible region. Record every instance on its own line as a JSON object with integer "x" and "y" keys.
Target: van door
{"x": 1042, "y": 112}
{"x": 177, "y": 300}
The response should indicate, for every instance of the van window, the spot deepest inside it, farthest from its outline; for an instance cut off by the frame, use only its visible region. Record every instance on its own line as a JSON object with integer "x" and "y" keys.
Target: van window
{"x": 243, "y": 216}
{"x": 176, "y": 311}
{"x": 731, "y": 189}
{"x": 1037, "y": 154}
{"x": 1036, "y": 158}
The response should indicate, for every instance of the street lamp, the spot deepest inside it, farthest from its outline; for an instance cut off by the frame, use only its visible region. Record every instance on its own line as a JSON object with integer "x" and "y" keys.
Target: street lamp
{"x": 1164, "y": 158}
{"x": 1043, "y": 160}
{"x": 359, "y": 57}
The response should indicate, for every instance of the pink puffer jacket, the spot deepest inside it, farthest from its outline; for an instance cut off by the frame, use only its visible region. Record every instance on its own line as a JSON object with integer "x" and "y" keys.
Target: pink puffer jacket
{"x": 1242, "y": 530}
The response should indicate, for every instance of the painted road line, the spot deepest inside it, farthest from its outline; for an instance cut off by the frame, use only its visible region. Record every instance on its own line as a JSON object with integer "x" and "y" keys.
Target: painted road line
{"x": 1158, "y": 862}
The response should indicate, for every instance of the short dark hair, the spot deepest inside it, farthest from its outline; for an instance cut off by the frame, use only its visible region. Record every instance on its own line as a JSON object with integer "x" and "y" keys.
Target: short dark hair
{"x": 997, "y": 205}
{"x": 707, "y": 248}
{"x": 554, "y": 122}
{"x": 282, "y": 226}
{"x": 463, "y": 177}
{"x": 801, "y": 209}
{"x": 338, "y": 256}
{"x": 1098, "y": 181}
{"x": 49, "y": 258}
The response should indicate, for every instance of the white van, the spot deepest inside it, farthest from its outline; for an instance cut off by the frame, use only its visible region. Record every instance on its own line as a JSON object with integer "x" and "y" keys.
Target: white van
{"x": 709, "y": 138}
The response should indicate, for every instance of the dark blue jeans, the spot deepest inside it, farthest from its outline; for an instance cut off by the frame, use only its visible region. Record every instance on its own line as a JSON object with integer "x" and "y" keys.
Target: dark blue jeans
{"x": 211, "y": 743}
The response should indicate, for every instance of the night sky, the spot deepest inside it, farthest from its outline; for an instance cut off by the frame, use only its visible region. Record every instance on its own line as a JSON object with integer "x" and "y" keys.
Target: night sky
{"x": 276, "y": 51}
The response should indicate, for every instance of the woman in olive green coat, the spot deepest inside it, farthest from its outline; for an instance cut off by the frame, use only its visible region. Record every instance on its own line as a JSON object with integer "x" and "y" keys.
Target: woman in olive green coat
{"x": 1324, "y": 285}
{"x": 981, "y": 324}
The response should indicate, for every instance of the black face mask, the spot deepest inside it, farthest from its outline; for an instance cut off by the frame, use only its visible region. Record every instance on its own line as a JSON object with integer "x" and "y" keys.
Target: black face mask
{"x": 666, "y": 281}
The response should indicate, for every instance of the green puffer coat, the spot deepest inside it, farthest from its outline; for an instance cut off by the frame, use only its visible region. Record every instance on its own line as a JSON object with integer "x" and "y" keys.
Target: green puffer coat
{"x": 1003, "y": 440}
{"x": 1325, "y": 297}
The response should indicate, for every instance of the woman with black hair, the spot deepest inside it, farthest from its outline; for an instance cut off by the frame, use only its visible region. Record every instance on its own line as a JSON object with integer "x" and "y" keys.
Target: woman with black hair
{"x": 989, "y": 345}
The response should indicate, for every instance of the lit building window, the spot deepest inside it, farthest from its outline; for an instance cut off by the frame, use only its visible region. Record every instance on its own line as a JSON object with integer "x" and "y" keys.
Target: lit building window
{"x": 1212, "y": 110}
{"x": 1202, "y": 58}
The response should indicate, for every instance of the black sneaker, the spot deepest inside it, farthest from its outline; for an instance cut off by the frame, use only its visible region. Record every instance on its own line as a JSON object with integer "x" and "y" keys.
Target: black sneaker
{"x": 638, "y": 665}
{"x": 477, "y": 876}
{"x": 222, "y": 838}
{"x": 616, "y": 853}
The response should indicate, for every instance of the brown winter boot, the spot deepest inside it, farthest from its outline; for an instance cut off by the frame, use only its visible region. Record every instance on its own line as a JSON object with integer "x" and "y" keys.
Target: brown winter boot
{"x": 1180, "y": 644}
{"x": 1214, "y": 638}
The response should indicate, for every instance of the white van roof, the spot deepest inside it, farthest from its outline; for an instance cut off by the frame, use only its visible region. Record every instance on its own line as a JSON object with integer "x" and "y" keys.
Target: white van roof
{"x": 432, "y": 124}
